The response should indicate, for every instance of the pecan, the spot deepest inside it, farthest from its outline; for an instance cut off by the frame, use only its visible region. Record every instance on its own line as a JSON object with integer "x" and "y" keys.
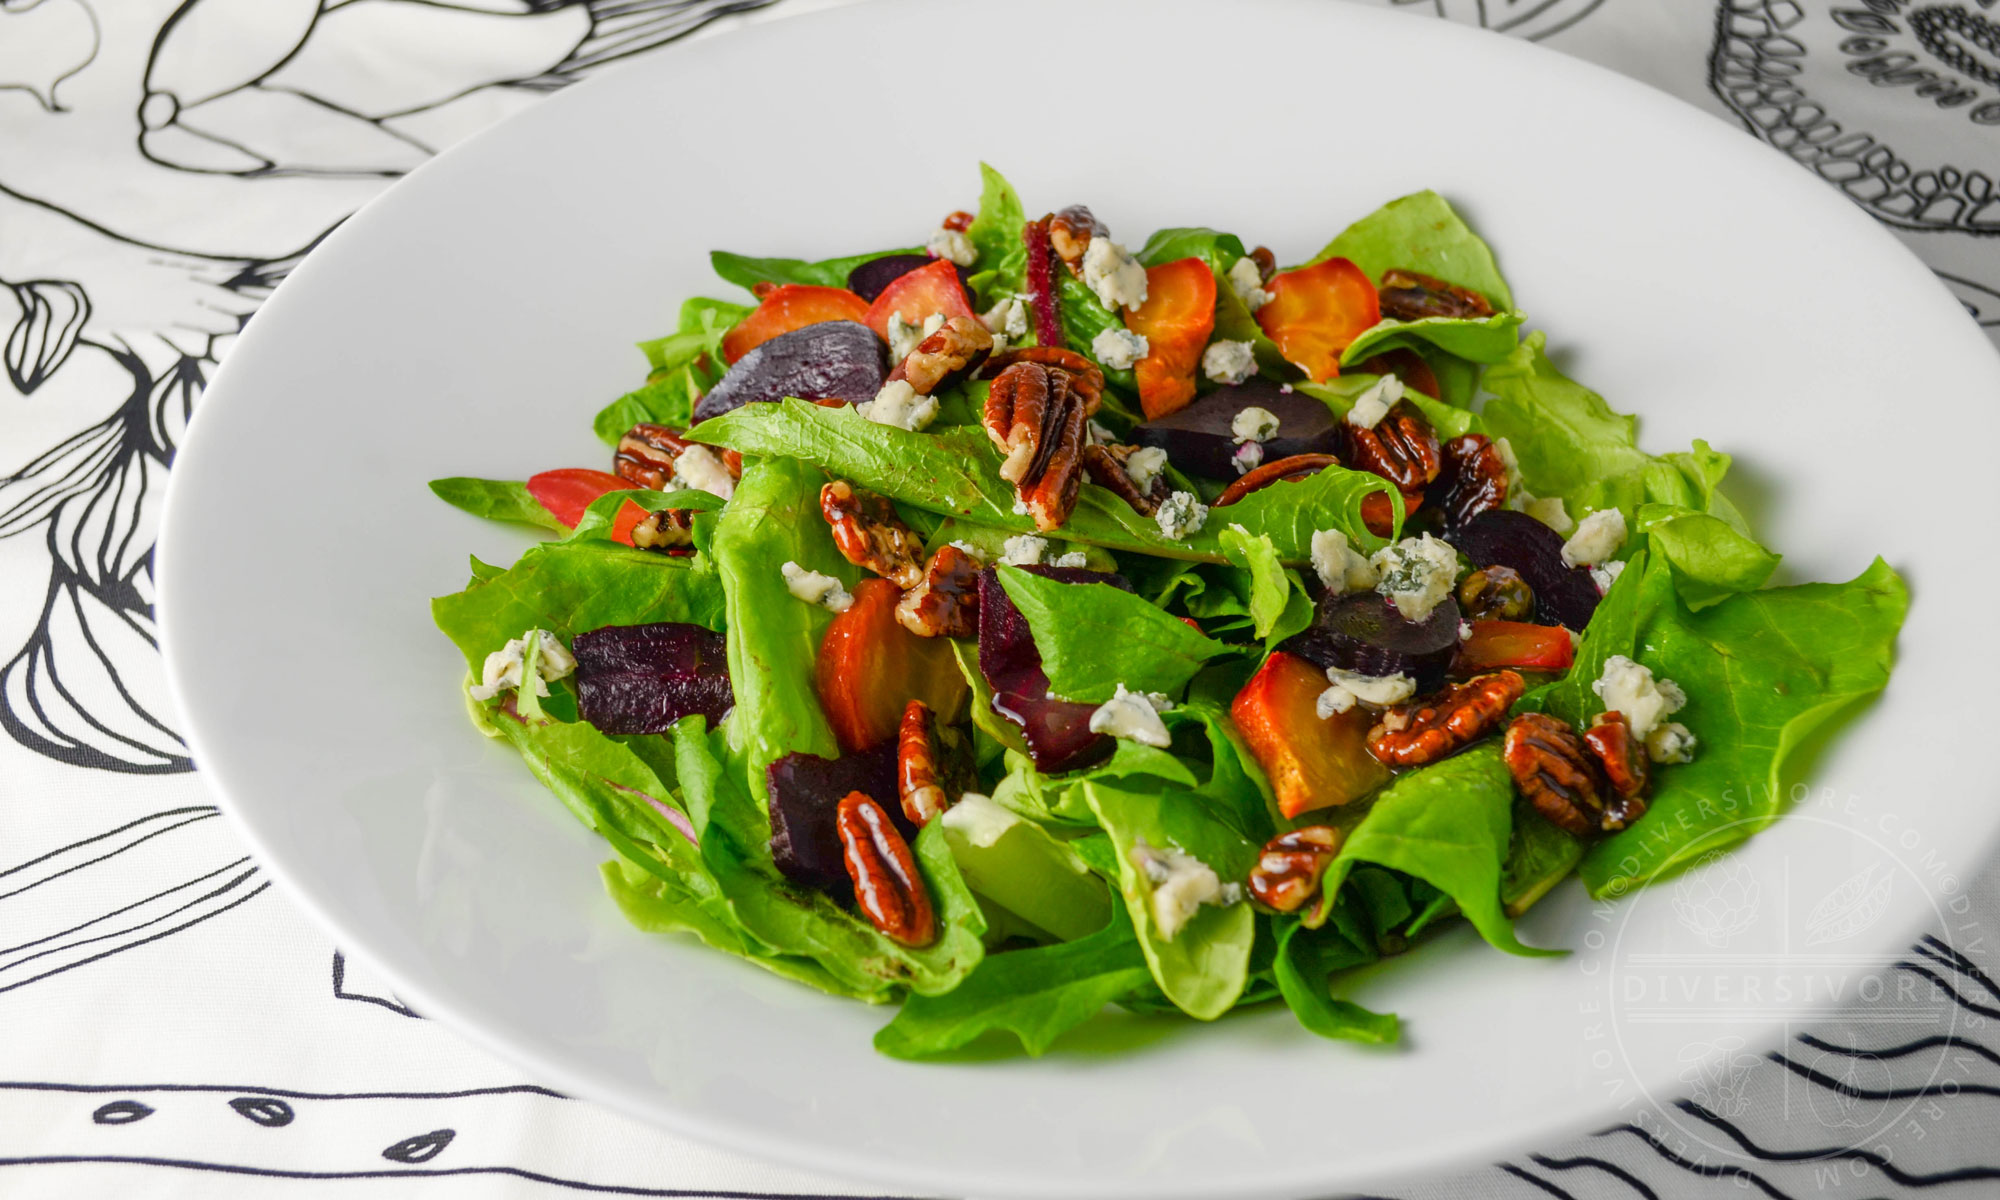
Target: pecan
{"x": 1379, "y": 517}
{"x": 1623, "y": 758}
{"x": 1408, "y": 296}
{"x": 958, "y": 222}
{"x": 1423, "y": 731}
{"x": 670, "y": 531}
{"x": 1039, "y": 417}
{"x": 646, "y": 454}
{"x": 1070, "y": 232}
{"x": 945, "y": 603}
{"x": 1267, "y": 262}
{"x": 868, "y": 533}
{"x": 1400, "y": 448}
{"x": 1106, "y": 466}
{"x": 887, "y": 887}
{"x": 1288, "y": 871}
{"x": 1473, "y": 479}
{"x": 1086, "y": 379}
{"x": 951, "y": 353}
{"x": 1496, "y": 594}
{"x": 933, "y": 764}
{"x": 763, "y": 288}
{"x": 1555, "y": 771}
{"x": 1298, "y": 466}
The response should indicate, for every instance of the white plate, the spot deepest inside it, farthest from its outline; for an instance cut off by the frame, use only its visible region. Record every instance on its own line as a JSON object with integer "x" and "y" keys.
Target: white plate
{"x": 472, "y": 320}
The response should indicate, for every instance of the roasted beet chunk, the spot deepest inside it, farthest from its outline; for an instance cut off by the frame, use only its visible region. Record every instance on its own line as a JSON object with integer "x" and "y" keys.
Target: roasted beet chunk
{"x": 871, "y": 278}
{"x": 1057, "y": 731}
{"x": 828, "y": 360}
{"x": 1200, "y": 441}
{"x": 1362, "y": 631}
{"x": 643, "y": 678}
{"x": 1564, "y": 595}
{"x": 805, "y": 792}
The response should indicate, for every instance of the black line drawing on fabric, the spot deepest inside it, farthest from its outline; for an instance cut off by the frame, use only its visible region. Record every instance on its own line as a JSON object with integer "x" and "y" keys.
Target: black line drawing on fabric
{"x": 1981, "y": 303}
{"x": 1530, "y": 19}
{"x": 345, "y": 988}
{"x": 1707, "y": 1170}
{"x": 54, "y": 40}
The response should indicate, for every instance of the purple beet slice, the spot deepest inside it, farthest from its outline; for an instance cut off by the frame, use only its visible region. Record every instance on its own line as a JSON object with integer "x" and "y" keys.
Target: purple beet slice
{"x": 805, "y": 790}
{"x": 643, "y": 678}
{"x": 1363, "y": 632}
{"x": 1564, "y": 595}
{"x": 1199, "y": 440}
{"x": 828, "y": 360}
{"x": 1057, "y": 731}
{"x": 873, "y": 277}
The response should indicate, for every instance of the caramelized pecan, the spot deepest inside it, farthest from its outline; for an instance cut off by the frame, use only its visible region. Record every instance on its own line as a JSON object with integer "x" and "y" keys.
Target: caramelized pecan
{"x": 1267, "y": 262}
{"x": 1410, "y": 735}
{"x": 1496, "y": 593}
{"x": 1408, "y": 296}
{"x": 1288, "y": 870}
{"x": 1555, "y": 771}
{"x": 646, "y": 454}
{"x": 1623, "y": 758}
{"x": 870, "y": 535}
{"x": 1400, "y": 448}
{"x": 1379, "y": 517}
{"x": 887, "y": 887}
{"x": 1298, "y": 466}
{"x": 1106, "y": 466}
{"x": 669, "y": 531}
{"x": 1070, "y": 232}
{"x": 933, "y": 764}
{"x": 948, "y": 355}
{"x": 1085, "y": 377}
{"x": 1473, "y": 479}
{"x": 945, "y": 603}
{"x": 1036, "y": 413}
{"x": 958, "y": 222}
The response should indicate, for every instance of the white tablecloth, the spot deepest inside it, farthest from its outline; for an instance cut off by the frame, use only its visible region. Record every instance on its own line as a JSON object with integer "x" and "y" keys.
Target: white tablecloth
{"x": 169, "y": 1027}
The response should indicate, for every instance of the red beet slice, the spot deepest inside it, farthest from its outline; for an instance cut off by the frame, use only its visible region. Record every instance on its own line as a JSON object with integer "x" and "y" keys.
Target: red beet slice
{"x": 1057, "y": 731}
{"x": 1199, "y": 440}
{"x": 871, "y": 278}
{"x": 1564, "y": 595}
{"x": 828, "y": 360}
{"x": 805, "y": 790}
{"x": 1041, "y": 281}
{"x": 1363, "y": 632}
{"x": 643, "y": 678}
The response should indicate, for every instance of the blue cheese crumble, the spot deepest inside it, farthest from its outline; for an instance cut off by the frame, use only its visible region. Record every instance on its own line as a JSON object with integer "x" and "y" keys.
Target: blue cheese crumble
{"x": 1597, "y": 538}
{"x": 1248, "y": 284}
{"x": 1339, "y": 566}
{"x": 1180, "y": 884}
{"x": 1374, "y": 404}
{"x": 952, "y": 245}
{"x": 1416, "y": 574}
{"x": 1119, "y": 348}
{"x": 1144, "y": 466}
{"x": 1228, "y": 362}
{"x": 898, "y": 405}
{"x": 1134, "y": 716}
{"x": 1628, "y": 687}
{"x": 1110, "y": 271}
{"x": 1254, "y": 424}
{"x": 1348, "y": 688}
{"x": 814, "y": 588}
{"x": 502, "y": 670}
{"x": 1181, "y": 515}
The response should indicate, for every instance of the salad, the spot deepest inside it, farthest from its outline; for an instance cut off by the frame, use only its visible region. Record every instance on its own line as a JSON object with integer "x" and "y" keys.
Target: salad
{"x": 1034, "y": 621}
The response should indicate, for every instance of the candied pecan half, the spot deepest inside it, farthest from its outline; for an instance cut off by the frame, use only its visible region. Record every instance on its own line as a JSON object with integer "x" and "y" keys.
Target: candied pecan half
{"x": 1400, "y": 448}
{"x": 1496, "y": 593}
{"x": 954, "y": 351}
{"x": 646, "y": 454}
{"x": 933, "y": 764}
{"x": 887, "y": 887}
{"x": 1473, "y": 479}
{"x": 1298, "y": 466}
{"x": 1555, "y": 771}
{"x": 1623, "y": 758}
{"x": 1423, "y": 731}
{"x": 959, "y": 221}
{"x": 1037, "y": 416}
{"x": 1085, "y": 377}
{"x": 669, "y": 531}
{"x": 945, "y": 603}
{"x": 870, "y": 535}
{"x": 1106, "y": 466}
{"x": 1380, "y": 518}
{"x": 1070, "y": 232}
{"x": 1267, "y": 262}
{"x": 1408, "y": 296}
{"x": 1288, "y": 870}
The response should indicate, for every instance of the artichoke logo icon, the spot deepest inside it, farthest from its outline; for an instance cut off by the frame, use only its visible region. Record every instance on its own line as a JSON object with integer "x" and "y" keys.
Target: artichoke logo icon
{"x": 1716, "y": 1074}
{"x": 1717, "y": 900}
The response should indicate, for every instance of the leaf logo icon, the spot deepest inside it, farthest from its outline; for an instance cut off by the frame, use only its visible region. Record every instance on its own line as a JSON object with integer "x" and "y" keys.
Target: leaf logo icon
{"x": 1850, "y": 908}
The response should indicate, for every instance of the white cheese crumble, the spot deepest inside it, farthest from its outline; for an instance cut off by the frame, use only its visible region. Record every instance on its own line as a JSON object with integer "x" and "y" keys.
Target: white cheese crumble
{"x": 1134, "y": 716}
{"x": 1254, "y": 424}
{"x": 952, "y": 244}
{"x": 1101, "y": 436}
{"x": 904, "y": 337}
{"x": 1465, "y": 631}
{"x": 1597, "y": 538}
{"x": 1020, "y": 507}
{"x": 815, "y": 588}
{"x": 1629, "y": 687}
{"x": 978, "y": 819}
{"x": 1075, "y": 558}
{"x": 1144, "y": 466}
{"x": 502, "y": 669}
{"x": 1374, "y": 404}
{"x": 1113, "y": 274}
{"x": 898, "y": 405}
{"x": 1349, "y": 688}
{"x": 1119, "y": 348}
{"x": 971, "y": 551}
{"x": 1181, "y": 516}
{"x": 701, "y": 468}
{"x": 1024, "y": 550}
{"x": 1670, "y": 743}
{"x": 1181, "y": 884}
{"x": 1228, "y": 362}
{"x": 1339, "y": 566}
{"x": 1246, "y": 457}
{"x": 1606, "y": 575}
{"x": 1417, "y": 574}
{"x": 1007, "y": 321}
{"x": 1248, "y": 284}
{"x": 1549, "y": 511}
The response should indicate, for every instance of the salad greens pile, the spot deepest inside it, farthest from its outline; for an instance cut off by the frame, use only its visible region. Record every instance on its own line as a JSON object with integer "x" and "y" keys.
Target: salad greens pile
{"x": 1047, "y": 887}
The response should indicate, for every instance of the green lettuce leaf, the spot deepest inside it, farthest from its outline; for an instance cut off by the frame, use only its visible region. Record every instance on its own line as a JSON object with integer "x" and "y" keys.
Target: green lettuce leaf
{"x": 1002, "y": 265}
{"x": 698, "y": 335}
{"x": 1270, "y": 584}
{"x": 496, "y": 500}
{"x": 667, "y": 398}
{"x": 747, "y": 272}
{"x": 1421, "y": 232}
{"x": 1305, "y": 960}
{"x": 1093, "y": 636}
{"x": 1084, "y": 317}
{"x": 1482, "y": 340}
{"x": 1711, "y": 559}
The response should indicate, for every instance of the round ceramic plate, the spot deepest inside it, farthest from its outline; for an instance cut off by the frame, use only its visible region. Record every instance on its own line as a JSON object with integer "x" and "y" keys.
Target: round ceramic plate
{"x": 474, "y": 318}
